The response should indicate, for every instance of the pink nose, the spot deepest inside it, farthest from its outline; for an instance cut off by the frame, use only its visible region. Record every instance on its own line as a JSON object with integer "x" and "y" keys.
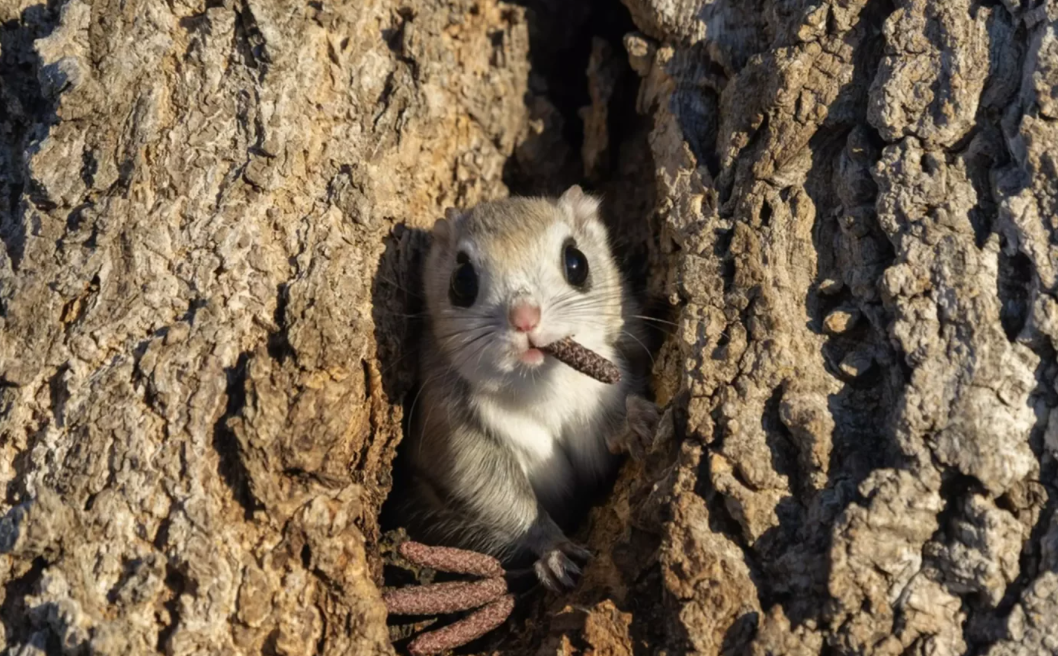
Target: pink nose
{"x": 524, "y": 317}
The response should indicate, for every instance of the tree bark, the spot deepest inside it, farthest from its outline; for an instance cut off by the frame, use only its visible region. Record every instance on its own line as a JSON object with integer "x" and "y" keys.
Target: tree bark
{"x": 211, "y": 218}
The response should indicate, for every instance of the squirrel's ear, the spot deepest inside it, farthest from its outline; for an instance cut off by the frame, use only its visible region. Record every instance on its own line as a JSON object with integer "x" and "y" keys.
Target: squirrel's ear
{"x": 579, "y": 204}
{"x": 442, "y": 228}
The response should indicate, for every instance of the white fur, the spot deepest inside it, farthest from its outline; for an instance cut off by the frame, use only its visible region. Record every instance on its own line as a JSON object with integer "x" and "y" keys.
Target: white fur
{"x": 553, "y": 426}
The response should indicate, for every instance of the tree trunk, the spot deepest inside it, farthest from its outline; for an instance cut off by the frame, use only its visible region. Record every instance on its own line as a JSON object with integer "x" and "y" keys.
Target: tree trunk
{"x": 211, "y": 216}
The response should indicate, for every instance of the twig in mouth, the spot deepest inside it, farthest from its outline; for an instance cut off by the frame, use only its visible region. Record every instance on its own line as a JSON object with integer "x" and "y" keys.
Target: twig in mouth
{"x": 583, "y": 360}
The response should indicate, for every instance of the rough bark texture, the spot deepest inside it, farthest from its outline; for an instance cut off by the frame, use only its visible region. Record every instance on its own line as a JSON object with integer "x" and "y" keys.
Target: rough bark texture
{"x": 211, "y": 213}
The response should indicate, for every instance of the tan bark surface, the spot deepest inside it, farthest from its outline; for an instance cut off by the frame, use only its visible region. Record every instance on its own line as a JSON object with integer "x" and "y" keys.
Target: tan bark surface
{"x": 211, "y": 213}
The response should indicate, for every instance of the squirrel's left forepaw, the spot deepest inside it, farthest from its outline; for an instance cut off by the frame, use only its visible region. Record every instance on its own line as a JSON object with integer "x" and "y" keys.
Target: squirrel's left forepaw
{"x": 641, "y": 424}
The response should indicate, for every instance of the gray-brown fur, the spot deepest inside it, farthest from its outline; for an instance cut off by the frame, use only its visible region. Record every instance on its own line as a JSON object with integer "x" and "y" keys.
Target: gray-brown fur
{"x": 501, "y": 452}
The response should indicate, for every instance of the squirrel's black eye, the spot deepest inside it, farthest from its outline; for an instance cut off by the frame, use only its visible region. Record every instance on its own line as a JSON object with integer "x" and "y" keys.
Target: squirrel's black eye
{"x": 576, "y": 265}
{"x": 463, "y": 288}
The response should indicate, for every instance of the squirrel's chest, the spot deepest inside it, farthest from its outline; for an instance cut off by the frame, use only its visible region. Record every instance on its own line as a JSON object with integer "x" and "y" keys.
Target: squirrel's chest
{"x": 534, "y": 439}
{"x": 555, "y": 444}
{"x": 539, "y": 450}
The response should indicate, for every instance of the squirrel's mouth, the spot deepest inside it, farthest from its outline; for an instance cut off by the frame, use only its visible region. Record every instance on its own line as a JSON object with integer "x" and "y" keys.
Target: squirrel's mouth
{"x": 531, "y": 356}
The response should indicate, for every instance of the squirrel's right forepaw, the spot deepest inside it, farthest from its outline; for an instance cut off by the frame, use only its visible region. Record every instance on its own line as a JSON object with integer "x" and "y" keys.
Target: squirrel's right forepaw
{"x": 556, "y": 568}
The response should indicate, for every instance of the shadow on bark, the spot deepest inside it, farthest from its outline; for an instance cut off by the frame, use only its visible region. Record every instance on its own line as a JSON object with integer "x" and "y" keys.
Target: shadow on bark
{"x": 27, "y": 113}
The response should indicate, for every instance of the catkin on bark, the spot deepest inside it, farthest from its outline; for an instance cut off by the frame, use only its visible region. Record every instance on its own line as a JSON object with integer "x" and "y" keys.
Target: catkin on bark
{"x": 470, "y": 628}
{"x": 441, "y": 598}
{"x": 450, "y": 559}
{"x": 583, "y": 360}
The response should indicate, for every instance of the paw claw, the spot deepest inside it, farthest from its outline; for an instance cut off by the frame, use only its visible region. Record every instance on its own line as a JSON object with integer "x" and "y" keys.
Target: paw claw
{"x": 577, "y": 551}
{"x": 556, "y": 569}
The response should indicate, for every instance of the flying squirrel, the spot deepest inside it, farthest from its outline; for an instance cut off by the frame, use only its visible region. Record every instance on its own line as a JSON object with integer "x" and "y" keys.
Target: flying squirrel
{"x": 506, "y": 444}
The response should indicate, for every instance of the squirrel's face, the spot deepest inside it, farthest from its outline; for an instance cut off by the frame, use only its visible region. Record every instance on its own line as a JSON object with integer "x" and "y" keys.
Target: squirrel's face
{"x": 510, "y": 276}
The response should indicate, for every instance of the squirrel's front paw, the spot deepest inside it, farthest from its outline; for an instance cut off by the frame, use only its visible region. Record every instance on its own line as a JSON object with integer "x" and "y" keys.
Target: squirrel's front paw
{"x": 641, "y": 424}
{"x": 556, "y": 568}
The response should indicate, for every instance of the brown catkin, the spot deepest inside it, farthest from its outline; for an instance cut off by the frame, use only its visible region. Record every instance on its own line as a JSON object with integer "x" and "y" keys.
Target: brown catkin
{"x": 469, "y": 628}
{"x": 441, "y": 598}
{"x": 450, "y": 559}
{"x": 580, "y": 358}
